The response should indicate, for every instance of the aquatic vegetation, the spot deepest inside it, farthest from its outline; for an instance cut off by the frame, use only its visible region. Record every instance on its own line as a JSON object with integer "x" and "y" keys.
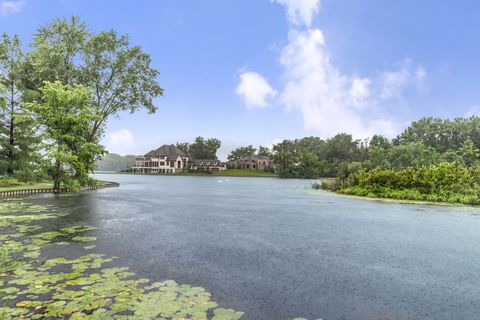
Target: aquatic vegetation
{"x": 34, "y": 286}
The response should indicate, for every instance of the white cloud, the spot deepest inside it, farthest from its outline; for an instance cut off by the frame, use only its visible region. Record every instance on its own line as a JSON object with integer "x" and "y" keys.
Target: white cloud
{"x": 10, "y": 6}
{"x": 360, "y": 91}
{"x": 330, "y": 100}
{"x": 255, "y": 90}
{"x": 120, "y": 141}
{"x": 300, "y": 12}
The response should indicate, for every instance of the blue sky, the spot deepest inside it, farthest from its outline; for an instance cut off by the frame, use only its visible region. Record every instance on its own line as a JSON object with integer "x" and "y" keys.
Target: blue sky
{"x": 257, "y": 71}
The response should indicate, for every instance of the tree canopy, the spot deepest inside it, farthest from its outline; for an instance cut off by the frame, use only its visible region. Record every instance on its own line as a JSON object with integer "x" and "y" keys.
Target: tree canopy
{"x": 64, "y": 90}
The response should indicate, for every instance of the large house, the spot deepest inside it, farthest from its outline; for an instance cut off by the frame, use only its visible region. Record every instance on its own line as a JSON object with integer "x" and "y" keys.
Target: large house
{"x": 207, "y": 166}
{"x": 167, "y": 159}
{"x": 256, "y": 162}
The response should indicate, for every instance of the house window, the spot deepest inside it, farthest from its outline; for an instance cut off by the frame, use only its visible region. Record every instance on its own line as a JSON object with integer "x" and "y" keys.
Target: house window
{"x": 179, "y": 164}
{"x": 172, "y": 164}
{"x": 162, "y": 163}
{"x": 254, "y": 166}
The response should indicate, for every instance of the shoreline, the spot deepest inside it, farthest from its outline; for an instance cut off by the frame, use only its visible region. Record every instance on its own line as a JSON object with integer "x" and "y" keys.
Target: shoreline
{"x": 15, "y": 191}
{"x": 254, "y": 174}
{"x": 399, "y": 201}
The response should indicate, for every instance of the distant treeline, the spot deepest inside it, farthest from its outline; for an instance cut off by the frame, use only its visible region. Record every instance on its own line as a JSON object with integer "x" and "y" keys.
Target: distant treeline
{"x": 115, "y": 162}
{"x": 425, "y": 142}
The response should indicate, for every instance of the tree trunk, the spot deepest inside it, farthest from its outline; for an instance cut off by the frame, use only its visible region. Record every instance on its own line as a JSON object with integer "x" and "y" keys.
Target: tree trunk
{"x": 56, "y": 176}
{"x": 11, "y": 141}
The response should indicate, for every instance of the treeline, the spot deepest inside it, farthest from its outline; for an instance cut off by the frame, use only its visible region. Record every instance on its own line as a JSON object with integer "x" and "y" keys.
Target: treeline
{"x": 432, "y": 160}
{"x": 115, "y": 162}
{"x": 56, "y": 99}
{"x": 426, "y": 142}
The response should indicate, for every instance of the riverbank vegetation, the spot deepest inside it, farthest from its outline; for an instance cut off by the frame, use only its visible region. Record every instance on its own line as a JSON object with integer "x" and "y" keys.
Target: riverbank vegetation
{"x": 432, "y": 160}
{"x": 57, "y": 97}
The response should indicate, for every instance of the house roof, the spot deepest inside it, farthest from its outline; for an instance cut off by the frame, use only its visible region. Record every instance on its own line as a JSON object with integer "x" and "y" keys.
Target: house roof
{"x": 213, "y": 162}
{"x": 250, "y": 159}
{"x": 169, "y": 151}
{"x": 254, "y": 158}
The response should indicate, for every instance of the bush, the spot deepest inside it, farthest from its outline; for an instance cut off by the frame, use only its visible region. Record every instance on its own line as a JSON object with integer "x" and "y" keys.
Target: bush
{"x": 444, "y": 182}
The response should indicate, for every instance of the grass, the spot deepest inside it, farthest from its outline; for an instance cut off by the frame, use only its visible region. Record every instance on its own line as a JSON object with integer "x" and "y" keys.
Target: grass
{"x": 24, "y": 186}
{"x": 245, "y": 173}
{"x": 39, "y": 185}
{"x": 225, "y": 173}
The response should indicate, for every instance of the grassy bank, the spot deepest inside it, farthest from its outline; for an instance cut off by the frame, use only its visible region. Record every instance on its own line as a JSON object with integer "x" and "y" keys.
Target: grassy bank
{"x": 245, "y": 173}
{"x": 35, "y": 185}
{"x": 443, "y": 183}
{"x": 225, "y": 173}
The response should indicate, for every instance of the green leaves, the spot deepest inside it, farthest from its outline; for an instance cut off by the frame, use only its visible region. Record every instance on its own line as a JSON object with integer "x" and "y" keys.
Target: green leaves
{"x": 66, "y": 118}
{"x": 31, "y": 286}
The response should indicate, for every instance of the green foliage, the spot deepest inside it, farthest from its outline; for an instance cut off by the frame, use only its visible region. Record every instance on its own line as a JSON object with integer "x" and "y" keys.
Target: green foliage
{"x": 19, "y": 142}
{"x": 264, "y": 151}
{"x": 202, "y": 148}
{"x": 444, "y": 182}
{"x": 121, "y": 75}
{"x": 242, "y": 152}
{"x": 118, "y": 77}
{"x": 84, "y": 286}
{"x": 65, "y": 117}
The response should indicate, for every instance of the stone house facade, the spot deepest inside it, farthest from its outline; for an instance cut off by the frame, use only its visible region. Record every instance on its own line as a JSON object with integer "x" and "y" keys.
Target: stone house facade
{"x": 255, "y": 162}
{"x": 199, "y": 165}
{"x": 167, "y": 159}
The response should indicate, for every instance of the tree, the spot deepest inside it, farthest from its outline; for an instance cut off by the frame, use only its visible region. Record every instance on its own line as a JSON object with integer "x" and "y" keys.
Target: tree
{"x": 184, "y": 146}
{"x": 57, "y": 52}
{"x": 65, "y": 117}
{"x": 341, "y": 147}
{"x": 412, "y": 155}
{"x": 201, "y": 148}
{"x": 285, "y": 159}
{"x": 120, "y": 76}
{"x": 264, "y": 151}
{"x": 469, "y": 153}
{"x": 241, "y": 152}
{"x": 17, "y": 128}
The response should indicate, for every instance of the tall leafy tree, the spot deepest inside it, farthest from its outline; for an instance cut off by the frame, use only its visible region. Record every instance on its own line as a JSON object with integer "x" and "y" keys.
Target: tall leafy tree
{"x": 121, "y": 77}
{"x": 202, "y": 148}
{"x": 242, "y": 152}
{"x": 57, "y": 50}
{"x": 264, "y": 151}
{"x": 65, "y": 115}
{"x": 18, "y": 139}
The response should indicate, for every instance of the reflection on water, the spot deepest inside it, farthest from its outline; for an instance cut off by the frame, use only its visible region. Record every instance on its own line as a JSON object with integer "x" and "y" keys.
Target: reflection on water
{"x": 277, "y": 250}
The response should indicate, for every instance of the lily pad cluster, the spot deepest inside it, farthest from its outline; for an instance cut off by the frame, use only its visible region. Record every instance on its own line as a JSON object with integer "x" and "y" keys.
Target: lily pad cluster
{"x": 34, "y": 286}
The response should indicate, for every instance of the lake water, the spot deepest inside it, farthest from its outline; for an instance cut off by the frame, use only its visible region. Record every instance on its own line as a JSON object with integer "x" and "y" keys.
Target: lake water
{"x": 276, "y": 249}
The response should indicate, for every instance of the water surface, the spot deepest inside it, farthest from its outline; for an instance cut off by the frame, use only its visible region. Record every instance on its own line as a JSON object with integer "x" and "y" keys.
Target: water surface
{"x": 276, "y": 249}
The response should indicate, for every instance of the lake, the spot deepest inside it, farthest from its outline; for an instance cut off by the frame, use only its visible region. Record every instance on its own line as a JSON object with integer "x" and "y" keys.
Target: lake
{"x": 276, "y": 249}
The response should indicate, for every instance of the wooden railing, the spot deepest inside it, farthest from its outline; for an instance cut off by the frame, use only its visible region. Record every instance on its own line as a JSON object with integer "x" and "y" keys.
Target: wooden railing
{"x": 25, "y": 192}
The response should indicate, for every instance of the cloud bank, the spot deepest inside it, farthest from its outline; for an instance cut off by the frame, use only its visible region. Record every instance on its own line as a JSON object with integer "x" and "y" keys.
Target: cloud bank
{"x": 329, "y": 100}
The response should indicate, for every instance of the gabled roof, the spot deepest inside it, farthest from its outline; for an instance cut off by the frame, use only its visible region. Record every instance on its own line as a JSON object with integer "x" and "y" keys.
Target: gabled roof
{"x": 250, "y": 159}
{"x": 254, "y": 158}
{"x": 169, "y": 151}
